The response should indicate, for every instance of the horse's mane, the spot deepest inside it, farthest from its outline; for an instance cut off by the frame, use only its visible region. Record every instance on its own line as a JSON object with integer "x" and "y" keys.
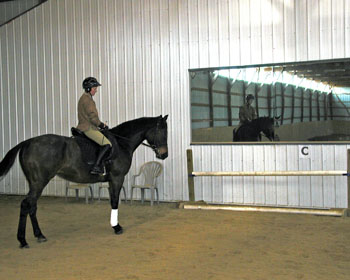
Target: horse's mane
{"x": 132, "y": 126}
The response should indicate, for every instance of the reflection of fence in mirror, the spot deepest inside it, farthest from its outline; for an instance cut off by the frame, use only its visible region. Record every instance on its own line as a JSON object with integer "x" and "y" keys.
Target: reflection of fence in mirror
{"x": 308, "y": 110}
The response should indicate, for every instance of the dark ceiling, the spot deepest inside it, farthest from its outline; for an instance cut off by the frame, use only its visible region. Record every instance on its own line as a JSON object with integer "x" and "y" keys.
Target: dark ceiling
{"x": 332, "y": 72}
{"x": 9, "y": 10}
{"x": 335, "y": 73}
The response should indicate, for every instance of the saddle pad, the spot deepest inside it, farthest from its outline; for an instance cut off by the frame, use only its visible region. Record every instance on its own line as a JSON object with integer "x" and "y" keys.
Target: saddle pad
{"x": 89, "y": 150}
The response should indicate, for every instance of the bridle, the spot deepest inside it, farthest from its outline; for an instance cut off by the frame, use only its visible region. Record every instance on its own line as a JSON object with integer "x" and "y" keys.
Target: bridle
{"x": 153, "y": 147}
{"x": 156, "y": 146}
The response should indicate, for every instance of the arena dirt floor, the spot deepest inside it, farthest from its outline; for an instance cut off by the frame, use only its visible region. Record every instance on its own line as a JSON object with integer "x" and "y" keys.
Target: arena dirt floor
{"x": 164, "y": 242}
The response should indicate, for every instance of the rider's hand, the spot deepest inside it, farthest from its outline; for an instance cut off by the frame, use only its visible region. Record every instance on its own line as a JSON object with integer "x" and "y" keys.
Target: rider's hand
{"x": 103, "y": 126}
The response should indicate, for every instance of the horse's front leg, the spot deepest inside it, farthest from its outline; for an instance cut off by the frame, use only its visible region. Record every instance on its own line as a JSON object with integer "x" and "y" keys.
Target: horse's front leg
{"x": 115, "y": 185}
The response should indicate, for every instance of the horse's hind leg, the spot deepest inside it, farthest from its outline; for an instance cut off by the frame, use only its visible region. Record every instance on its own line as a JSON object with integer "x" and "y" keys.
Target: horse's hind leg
{"x": 29, "y": 206}
{"x": 36, "y": 229}
{"x": 21, "y": 233}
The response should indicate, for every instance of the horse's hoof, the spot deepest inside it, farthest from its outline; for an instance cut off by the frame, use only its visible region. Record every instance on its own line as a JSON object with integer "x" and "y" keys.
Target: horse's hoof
{"x": 118, "y": 229}
{"x": 24, "y": 246}
{"x": 41, "y": 239}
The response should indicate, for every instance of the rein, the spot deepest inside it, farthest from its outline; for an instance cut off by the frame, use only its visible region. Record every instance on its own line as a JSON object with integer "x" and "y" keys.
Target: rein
{"x": 153, "y": 147}
{"x": 128, "y": 139}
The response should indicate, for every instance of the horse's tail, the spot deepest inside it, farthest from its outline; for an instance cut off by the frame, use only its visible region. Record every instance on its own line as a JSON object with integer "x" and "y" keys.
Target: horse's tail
{"x": 9, "y": 159}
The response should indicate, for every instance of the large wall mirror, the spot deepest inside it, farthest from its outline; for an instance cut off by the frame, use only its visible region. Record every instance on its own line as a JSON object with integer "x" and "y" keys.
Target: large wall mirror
{"x": 289, "y": 102}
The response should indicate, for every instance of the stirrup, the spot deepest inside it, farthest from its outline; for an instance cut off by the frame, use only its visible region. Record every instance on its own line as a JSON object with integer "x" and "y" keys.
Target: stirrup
{"x": 97, "y": 170}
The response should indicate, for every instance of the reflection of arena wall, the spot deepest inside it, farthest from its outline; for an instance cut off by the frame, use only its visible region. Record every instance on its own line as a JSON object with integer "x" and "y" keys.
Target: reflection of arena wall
{"x": 323, "y": 130}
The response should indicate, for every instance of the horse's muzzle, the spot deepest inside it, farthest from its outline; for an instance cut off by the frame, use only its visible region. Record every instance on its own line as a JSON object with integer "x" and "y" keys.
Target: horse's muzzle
{"x": 162, "y": 152}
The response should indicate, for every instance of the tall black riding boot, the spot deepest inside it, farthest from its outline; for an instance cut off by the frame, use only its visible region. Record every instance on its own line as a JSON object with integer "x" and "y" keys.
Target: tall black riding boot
{"x": 98, "y": 167}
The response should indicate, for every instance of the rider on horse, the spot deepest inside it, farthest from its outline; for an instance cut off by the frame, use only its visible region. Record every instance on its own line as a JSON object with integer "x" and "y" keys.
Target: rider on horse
{"x": 90, "y": 124}
{"x": 247, "y": 112}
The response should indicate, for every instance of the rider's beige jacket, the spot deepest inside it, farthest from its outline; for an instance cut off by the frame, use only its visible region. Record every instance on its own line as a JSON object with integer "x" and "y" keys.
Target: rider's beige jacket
{"x": 87, "y": 113}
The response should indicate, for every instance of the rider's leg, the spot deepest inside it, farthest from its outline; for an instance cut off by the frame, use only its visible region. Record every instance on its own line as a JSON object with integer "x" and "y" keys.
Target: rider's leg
{"x": 103, "y": 141}
{"x": 98, "y": 167}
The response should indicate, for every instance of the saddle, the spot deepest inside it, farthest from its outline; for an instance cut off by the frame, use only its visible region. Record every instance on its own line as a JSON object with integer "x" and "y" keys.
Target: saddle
{"x": 90, "y": 149}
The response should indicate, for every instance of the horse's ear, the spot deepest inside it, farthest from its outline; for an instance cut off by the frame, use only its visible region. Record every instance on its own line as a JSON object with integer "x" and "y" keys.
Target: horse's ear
{"x": 165, "y": 117}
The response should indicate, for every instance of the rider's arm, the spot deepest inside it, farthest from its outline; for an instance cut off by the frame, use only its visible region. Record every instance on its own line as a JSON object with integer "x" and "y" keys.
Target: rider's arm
{"x": 254, "y": 115}
{"x": 90, "y": 109}
{"x": 103, "y": 126}
{"x": 243, "y": 115}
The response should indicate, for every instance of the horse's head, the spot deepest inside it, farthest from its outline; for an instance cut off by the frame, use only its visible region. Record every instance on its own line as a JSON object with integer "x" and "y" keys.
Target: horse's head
{"x": 157, "y": 137}
{"x": 268, "y": 128}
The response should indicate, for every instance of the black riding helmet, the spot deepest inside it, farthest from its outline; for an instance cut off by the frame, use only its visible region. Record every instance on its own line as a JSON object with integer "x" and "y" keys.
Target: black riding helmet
{"x": 89, "y": 83}
{"x": 249, "y": 97}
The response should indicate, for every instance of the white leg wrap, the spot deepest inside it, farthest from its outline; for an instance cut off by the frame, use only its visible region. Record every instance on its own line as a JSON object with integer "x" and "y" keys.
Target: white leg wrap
{"x": 114, "y": 217}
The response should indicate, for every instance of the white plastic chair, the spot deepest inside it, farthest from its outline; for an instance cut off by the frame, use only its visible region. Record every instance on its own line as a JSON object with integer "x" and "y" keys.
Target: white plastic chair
{"x": 148, "y": 173}
{"x": 77, "y": 187}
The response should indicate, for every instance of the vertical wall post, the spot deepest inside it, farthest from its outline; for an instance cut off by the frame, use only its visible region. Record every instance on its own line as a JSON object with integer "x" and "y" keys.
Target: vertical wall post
{"x": 190, "y": 176}
{"x": 283, "y": 90}
{"x": 310, "y": 104}
{"x": 325, "y": 99}
{"x": 330, "y": 105}
{"x": 269, "y": 93}
{"x": 257, "y": 89}
{"x": 210, "y": 91}
{"x": 347, "y": 177}
{"x": 229, "y": 109}
{"x": 302, "y": 106}
{"x": 318, "y": 106}
{"x": 293, "y": 102}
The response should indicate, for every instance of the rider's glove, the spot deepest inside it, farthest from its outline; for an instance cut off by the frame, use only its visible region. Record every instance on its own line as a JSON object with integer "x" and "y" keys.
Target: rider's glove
{"x": 103, "y": 126}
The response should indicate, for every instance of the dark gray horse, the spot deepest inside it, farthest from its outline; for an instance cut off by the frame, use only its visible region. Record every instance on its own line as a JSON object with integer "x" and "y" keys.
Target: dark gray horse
{"x": 45, "y": 156}
{"x": 252, "y": 131}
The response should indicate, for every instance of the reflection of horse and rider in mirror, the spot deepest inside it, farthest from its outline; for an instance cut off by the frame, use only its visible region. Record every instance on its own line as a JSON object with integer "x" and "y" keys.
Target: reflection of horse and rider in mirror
{"x": 250, "y": 126}
{"x": 248, "y": 99}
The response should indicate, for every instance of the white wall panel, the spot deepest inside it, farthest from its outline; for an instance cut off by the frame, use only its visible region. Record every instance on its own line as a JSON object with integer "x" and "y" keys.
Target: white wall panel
{"x": 340, "y": 189}
{"x": 245, "y": 32}
{"x": 234, "y": 27}
{"x": 313, "y": 25}
{"x": 302, "y": 191}
{"x": 278, "y": 30}
{"x": 289, "y": 30}
{"x": 259, "y": 165}
{"x": 302, "y": 51}
{"x": 325, "y": 29}
{"x": 248, "y": 182}
{"x": 292, "y": 182}
{"x": 281, "y": 182}
{"x": 338, "y": 19}
{"x": 267, "y": 31}
{"x": 317, "y": 162}
{"x": 256, "y": 31}
{"x": 270, "y": 182}
{"x": 237, "y": 164}
{"x": 141, "y": 51}
{"x": 347, "y": 28}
